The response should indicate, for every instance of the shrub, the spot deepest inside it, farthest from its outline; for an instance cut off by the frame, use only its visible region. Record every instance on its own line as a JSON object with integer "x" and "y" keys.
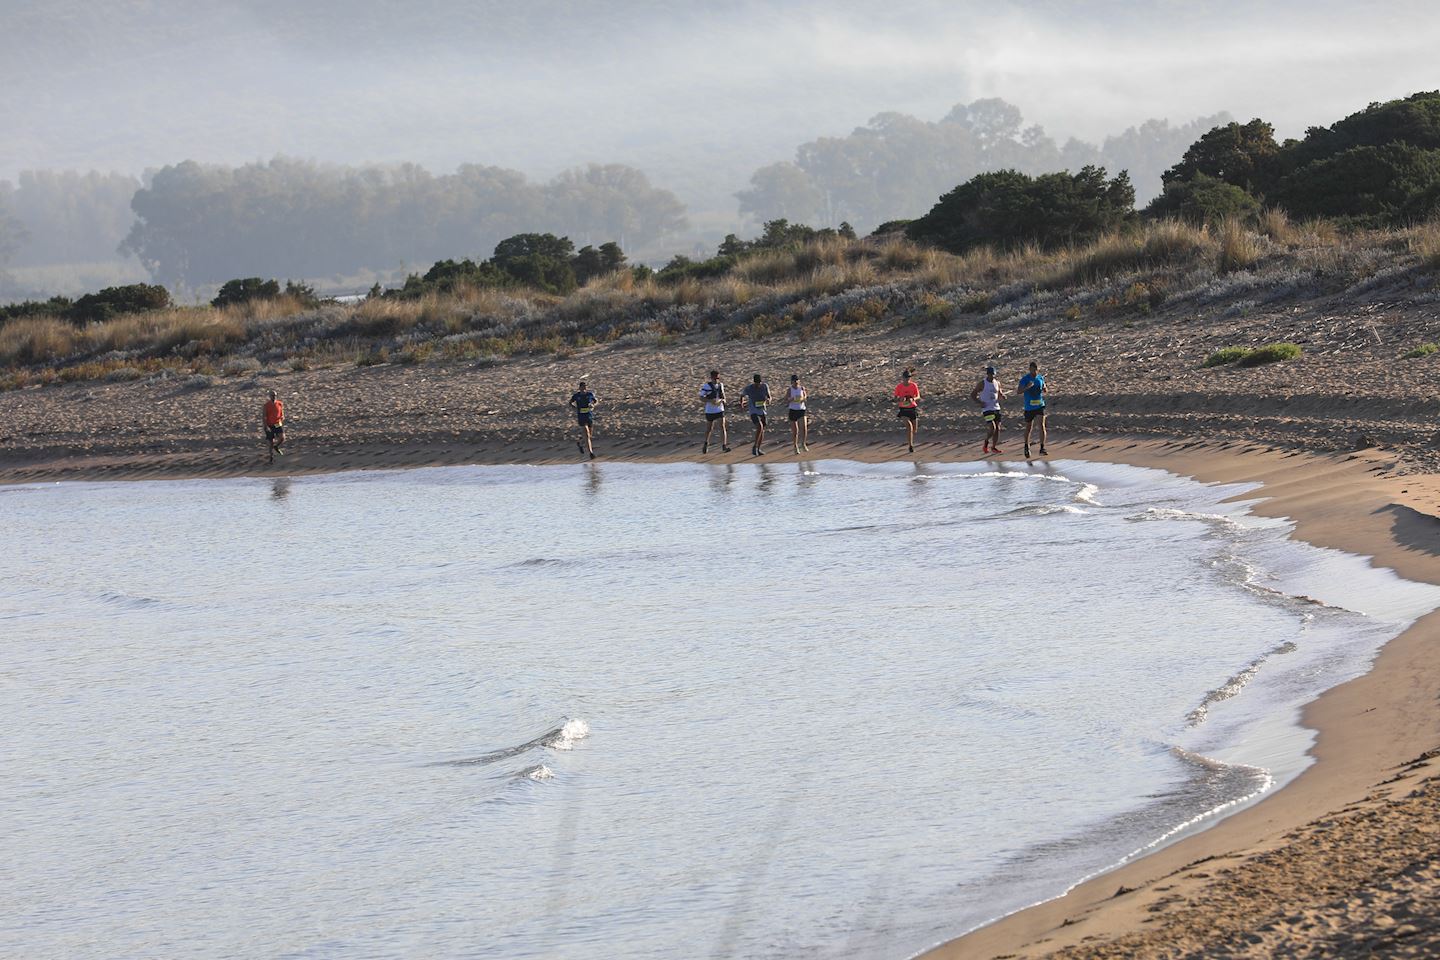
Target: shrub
{"x": 241, "y": 291}
{"x": 1009, "y": 209}
{"x": 1270, "y": 353}
{"x": 113, "y": 301}
{"x": 236, "y": 366}
{"x": 120, "y": 374}
{"x": 1202, "y": 200}
{"x": 1424, "y": 350}
{"x": 54, "y": 307}
{"x": 1225, "y": 355}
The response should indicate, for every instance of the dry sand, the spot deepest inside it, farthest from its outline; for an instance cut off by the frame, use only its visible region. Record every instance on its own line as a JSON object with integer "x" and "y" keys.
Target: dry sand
{"x": 1340, "y": 862}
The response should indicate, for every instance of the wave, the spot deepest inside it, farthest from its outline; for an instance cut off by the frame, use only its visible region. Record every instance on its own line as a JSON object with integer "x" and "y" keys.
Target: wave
{"x": 1041, "y": 510}
{"x": 539, "y": 562}
{"x": 128, "y": 602}
{"x": 1086, "y": 494}
{"x": 537, "y": 772}
{"x": 562, "y": 737}
{"x": 1234, "y": 685}
{"x": 1214, "y": 520}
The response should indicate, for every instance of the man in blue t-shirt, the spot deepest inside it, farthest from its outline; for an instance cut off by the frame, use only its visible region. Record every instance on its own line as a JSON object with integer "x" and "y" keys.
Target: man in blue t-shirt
{"x": 1032, "y": 393}
{"x": 583, "y": 400}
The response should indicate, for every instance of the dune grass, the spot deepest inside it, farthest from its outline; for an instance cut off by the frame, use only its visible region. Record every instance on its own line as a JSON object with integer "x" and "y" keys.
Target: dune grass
{"x": 801, "y": 293}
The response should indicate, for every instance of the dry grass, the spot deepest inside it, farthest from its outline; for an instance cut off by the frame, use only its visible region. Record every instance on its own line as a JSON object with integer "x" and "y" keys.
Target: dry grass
{"x": 1166, "y": 243}
{"x": 1424, "y": 242}
{"x": 33, "y": 340}
{"x": 1124, "y": 273}
{"x": 1276, "y": 225}
{"x": 1239, "y": 248}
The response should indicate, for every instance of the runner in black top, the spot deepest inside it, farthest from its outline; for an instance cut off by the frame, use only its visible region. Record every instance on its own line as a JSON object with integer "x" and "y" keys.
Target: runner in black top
{"x": 584, "y": 402}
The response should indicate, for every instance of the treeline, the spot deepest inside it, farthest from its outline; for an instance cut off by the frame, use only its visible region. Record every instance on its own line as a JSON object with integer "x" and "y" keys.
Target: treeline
{"x": 199, "y": 224}
{"x": 1379, "y": 167}
{"x": 64, "y": 216}
{"x": 896, "y": 165}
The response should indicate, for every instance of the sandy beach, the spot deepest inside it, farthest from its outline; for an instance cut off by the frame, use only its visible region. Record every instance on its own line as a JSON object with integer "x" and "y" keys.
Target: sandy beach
{"x": 1340, "y": 862}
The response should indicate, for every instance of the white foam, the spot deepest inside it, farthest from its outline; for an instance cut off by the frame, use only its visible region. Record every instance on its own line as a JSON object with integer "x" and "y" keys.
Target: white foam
{"x": 1167, "y": 513}
{"x": 571, "y": 733}
{"x": 1087, "y": 493}
{"x": 538, "y": 772}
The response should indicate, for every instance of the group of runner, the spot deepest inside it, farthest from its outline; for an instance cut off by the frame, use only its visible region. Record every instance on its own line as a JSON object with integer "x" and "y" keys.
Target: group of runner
{"x": 988, "y": 394}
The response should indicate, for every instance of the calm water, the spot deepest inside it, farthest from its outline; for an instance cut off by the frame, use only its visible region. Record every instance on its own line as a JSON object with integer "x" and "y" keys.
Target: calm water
{"x": 635, "y": 711}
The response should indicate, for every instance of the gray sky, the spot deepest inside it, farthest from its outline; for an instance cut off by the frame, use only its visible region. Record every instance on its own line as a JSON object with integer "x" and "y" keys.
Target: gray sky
{"x": 698, "y": 95}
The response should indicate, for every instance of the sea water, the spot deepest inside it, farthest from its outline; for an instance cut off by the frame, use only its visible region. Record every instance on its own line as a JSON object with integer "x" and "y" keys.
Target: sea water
{"x": 822, "y": 709}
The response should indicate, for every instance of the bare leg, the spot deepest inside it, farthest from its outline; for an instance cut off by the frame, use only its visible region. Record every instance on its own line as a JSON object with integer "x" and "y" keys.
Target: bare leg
{"x": 1041, "y": 418}
{"x": 709, "y": 427}
{"x": 805, "y": 432}
{"x": 724, "y": 436}
{"x": 910, "y": 433}
{"x": 589, "y": 441}
{"x": 795, "y": 433}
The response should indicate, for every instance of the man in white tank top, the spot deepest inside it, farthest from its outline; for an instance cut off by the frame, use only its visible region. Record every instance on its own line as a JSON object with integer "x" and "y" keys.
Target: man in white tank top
{"x": 988, "y": 394}
{"x": 799, "y": 422}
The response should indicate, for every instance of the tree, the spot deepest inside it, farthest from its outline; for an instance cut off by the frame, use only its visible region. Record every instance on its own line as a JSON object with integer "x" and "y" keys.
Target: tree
{"x": 781, "y": 190}
{"x": 540, "y": 260}
{"x": 1384, "y": 186}
{"x": 1245, "y": 155}
{"x": 1007, "y": 208}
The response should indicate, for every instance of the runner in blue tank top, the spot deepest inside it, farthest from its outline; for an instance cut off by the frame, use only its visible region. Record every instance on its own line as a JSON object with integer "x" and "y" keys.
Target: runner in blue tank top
{"x": 1032, "y": 390}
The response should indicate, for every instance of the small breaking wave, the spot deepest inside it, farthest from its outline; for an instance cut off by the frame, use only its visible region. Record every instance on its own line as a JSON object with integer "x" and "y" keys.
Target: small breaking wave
{"x": 1214, "y": 520}
{"x": 537, "y": 772}
{"x": 563, "y": 737}
{"x": 539, "y": 562}
{"x": 1086, "y": 494}
{"x": 128, "y": 602}
{"x": 1042, "y": 510}
{"x": 1234, "y": 685}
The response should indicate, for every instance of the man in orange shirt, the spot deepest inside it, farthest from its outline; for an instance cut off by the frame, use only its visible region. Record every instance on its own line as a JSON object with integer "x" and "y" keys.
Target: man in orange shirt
{"x": 907, "y": 400}
{"x": 275, "y": 426}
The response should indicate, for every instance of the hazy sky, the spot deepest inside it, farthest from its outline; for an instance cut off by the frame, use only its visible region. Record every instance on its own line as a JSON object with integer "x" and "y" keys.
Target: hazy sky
{"x": 698, "y": 95}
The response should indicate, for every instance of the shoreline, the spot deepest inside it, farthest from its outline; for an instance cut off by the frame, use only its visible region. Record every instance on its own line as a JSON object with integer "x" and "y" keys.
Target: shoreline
{"x": 1367, "y": 729}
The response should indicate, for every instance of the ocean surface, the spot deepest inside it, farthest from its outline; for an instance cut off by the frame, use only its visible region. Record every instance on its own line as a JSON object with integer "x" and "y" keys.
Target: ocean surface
{"x": 637, "y": 711}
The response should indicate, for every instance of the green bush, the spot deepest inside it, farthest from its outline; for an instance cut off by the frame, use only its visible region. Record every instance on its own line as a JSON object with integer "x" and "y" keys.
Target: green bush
{"x": 244, "y": 290}
{"x": 1008, "y": 209}
{"x": 1203, "y": 199}
{"x": 113, "y": 301}
{"x": 1424, "y": 350}
{"x": 1225, "y": 355}
{"x": 54, "y": 307}
{"x": 1270, "y": 353}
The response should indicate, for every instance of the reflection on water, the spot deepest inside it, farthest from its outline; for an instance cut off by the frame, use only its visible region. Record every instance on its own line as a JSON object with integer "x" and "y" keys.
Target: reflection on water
{"x": 598, "y": 710}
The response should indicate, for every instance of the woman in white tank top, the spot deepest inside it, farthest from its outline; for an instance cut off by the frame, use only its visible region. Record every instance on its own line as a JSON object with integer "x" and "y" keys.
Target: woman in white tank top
{"x": 799, "y": 418}
{"x": 988, "y": 394}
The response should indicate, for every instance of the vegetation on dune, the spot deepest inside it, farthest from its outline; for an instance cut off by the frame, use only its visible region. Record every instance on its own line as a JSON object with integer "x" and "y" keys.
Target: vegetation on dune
{"x": 1244, "y": 222}
{"x": 1269, "y": 353}
{"x": 1424, "y": 350}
